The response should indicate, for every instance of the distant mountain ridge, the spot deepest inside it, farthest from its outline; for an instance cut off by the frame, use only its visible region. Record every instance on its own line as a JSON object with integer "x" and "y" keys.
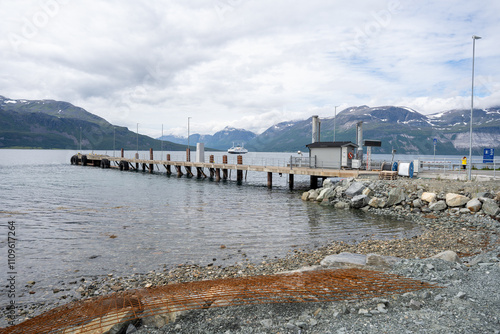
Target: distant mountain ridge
{"x": 56, "y": 124}
{"x": 221, "y": 140}
{"x": 400, "y": 128}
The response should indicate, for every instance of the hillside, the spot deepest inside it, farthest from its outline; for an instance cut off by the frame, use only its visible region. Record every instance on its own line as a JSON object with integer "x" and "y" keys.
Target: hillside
{"x": 53, "y": 124}
{"x": 221, "y": 140}
{"x": 398, "y": 128}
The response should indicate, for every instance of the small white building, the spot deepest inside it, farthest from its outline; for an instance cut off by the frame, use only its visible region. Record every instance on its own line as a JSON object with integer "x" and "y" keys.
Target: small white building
{"x": 338, "y": 154}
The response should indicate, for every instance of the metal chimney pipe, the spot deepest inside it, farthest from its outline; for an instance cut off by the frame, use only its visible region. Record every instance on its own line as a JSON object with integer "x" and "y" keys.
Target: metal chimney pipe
{"x": 315, "y": 129}
{"x": 359, "y": 139}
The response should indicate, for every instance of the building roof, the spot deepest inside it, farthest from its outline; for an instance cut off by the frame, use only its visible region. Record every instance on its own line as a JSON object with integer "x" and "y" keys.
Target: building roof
{"x": 327, "y": 144}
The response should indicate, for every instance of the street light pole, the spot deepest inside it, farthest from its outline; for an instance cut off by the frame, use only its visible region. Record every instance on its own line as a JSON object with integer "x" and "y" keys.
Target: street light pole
{"x": 137, "y": 139}
{"x": 474, "y": 37}
{"x": 334, "y": 122}
{"x": 188, "y": 150}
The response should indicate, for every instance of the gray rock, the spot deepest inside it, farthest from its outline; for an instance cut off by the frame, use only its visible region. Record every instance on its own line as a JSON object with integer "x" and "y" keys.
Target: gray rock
{"x": 368, "y": 192}
{"x": 267, "y": 323}
{"x": 344, "y": 260}
{"x": 481, "y": 258}
{"x": 305, "y": 196}
{"x": 396, "y": 196}
{"x": 325, "y": 193}
{"x": 355, "y": 189}
{"x": 474, "y": 205}
{"x": 448, "y": 255}
{"x": 438, "y": 206}
{"x": 490, "y": 207}
{"x": 428, "y": 197}
{"x": 456, "y": 199}
{"x": 417, "y": 203}
{"x": 341, "y": 205}
{"x": 313, "y": 195}
{"x": 376, "y": 202}
{"x": 486, "y": 195}
{"x": 359, "y": 201}
{"x": 415, "y": 305}
{"x": 380, "y": 261}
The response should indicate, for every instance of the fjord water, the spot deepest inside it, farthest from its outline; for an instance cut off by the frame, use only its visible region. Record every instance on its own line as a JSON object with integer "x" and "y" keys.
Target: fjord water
{"x": 76, "y": 222}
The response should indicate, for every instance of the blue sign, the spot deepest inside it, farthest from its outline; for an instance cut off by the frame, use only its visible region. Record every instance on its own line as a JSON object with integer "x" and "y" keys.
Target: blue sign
{"x": 435, "y": 141}
{"x": 488, "y": 155}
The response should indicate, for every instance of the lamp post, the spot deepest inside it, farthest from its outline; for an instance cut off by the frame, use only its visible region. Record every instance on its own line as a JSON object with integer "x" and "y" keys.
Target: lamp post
{"x": 474, "y": 37}
{"x": 137, "y": 141}
{"x": 334, "y": 122}
{"x": 188, "y": 150}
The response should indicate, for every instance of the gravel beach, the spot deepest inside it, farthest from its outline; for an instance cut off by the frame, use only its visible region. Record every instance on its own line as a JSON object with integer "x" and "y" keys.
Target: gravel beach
{"x": 468, "y": 302}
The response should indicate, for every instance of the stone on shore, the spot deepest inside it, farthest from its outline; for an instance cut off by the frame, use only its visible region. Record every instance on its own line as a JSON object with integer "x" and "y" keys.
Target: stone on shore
{"x": 456, "y": 199}
{"x": 305, "y": 196}
{"x": 428, "y": 197}
{"x": 474, "y": 205}
{"x": 396, "y": 196}
{"x": 351, "y": 260}
{"x": 325, "y": 193}
{"x": 376, "y": 202}
{"x": 438, "y": 206}
{"x": 355, "y": 189}
{"x": 359, "y": 201}
{"x": 490, "y": 207}
{"x": 448, "y": 255}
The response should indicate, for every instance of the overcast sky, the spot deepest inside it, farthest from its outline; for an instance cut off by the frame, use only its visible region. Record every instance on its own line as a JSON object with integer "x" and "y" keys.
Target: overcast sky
{"x": 247, "y": 63}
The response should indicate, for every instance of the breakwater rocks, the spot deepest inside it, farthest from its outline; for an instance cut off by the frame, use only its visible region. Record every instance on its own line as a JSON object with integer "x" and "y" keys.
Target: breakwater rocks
{"x": 454, "y": 202}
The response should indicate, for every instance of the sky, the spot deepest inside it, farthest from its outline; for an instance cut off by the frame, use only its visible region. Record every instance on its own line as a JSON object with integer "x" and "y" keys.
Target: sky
{"x": 248, "y": 63}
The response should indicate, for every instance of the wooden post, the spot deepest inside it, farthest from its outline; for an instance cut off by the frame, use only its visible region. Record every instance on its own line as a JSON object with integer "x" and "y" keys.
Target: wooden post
{"x": 290, "y": 181}
{"x": 151, "y": 167}
{"x": 239, "y": 173}
{"x": 179, "y": 171}
{"x": 314, "y": 182}
{"x": 224, "y": 171}
{"x": 269, "y": 180}
{"x": 168, "y": 167}
{"x": 122, "y": 152}
{"x": 188, "y": 154}
{"x": 217, "y": 174}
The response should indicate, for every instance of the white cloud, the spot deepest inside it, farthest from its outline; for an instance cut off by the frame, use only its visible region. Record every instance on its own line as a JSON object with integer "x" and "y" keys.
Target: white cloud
{"x": 248, "y": 64}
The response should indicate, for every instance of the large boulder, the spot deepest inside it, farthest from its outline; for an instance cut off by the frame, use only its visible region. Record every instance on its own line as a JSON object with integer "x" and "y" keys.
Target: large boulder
{"x": 428, "y": 197}
{"x": 456, "y": 199}
{"x": 313, "y": 195}
{"x": 305, "y": 195}
{"x": 376, "y": 202}
{"x": 351, "y": 260}
{"x": 325, "y": 193}
{"x": 355, "y": 189}
{"x": 448, "y": 255}
{"x": 396, "y": 196}
{"x": 359, "y": 201}
{"x": 490, "y": 207}
{"x": 341, "y": 205}
{"x": 497, "y": 197}
{"x": 438, "y": 206}
{"x": 474, "y": 205}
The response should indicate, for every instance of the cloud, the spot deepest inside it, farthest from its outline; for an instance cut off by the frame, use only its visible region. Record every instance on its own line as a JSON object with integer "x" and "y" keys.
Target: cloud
{"x": 248, "y": 64}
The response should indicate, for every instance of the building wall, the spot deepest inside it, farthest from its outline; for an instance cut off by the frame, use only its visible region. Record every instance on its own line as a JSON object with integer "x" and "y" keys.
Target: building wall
{"x": 332, "y": 157}
{"x": 327, "y": 157}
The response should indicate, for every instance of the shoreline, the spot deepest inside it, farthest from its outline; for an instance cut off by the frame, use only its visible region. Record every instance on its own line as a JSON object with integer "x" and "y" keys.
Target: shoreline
{"x": 468, "y": 235}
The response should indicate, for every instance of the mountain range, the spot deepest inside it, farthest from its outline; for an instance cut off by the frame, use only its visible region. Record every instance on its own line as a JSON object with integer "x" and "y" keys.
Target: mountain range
{"x": 58, "y": 124}
{"x": 400, "y": 128}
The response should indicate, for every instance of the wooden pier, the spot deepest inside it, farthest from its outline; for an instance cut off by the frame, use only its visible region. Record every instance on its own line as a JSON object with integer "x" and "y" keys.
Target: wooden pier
{"x": 217, "y": 171}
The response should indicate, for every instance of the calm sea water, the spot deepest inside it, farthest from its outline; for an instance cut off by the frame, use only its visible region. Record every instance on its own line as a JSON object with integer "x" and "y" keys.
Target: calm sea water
{"x": 73, "y": 222}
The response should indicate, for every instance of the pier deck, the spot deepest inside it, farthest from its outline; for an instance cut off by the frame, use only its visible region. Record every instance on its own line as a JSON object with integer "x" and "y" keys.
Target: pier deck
{"x": 215, "y": 168}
